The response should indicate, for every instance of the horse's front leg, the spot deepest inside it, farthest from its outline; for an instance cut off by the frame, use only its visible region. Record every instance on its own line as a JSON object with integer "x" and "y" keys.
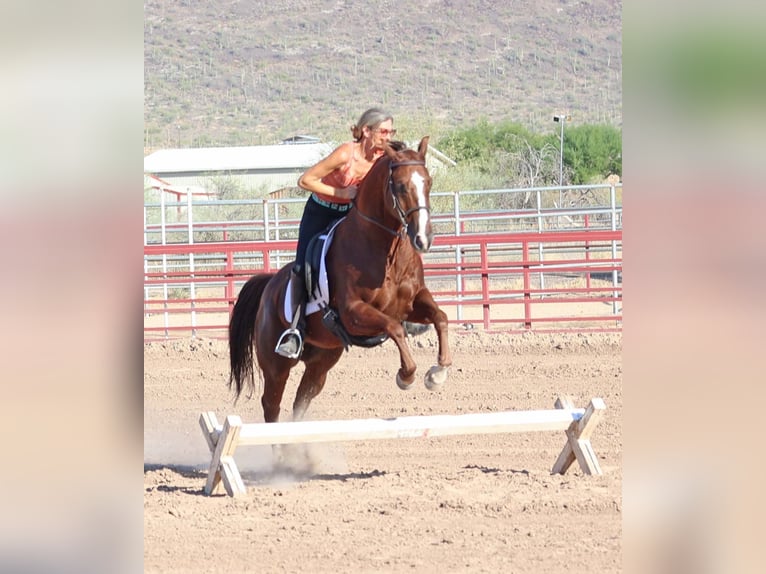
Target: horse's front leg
{"x": 365, "y": 320}
{"x": 424, "y": 307}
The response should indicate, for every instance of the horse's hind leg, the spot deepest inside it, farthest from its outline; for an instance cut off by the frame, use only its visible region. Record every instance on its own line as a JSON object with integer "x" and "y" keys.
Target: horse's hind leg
{"x": 298, "y": 457}
{"x": 274, "y": 382}
{"x": 318, "y": 363}
{"x": 275, "y": 376}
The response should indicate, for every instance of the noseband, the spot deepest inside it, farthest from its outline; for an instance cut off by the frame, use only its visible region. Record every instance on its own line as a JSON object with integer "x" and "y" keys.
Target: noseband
{"x": 403, "y": 215}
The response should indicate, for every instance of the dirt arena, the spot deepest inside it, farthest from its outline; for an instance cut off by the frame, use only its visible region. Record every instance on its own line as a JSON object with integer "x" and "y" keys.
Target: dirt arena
{"x": 473, "y": 503}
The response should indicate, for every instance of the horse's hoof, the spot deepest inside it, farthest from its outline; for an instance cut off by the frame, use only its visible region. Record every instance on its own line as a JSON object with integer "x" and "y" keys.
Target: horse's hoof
{"x": 401, "y": 384}
{"x": 436, "y": 377}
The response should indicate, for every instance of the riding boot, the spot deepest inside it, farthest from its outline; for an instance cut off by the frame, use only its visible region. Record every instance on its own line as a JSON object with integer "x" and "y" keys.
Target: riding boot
{"x": 290, "y": 343}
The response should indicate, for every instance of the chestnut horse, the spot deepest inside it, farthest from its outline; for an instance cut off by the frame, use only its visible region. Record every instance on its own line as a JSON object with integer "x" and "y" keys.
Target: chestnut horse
{"x": 375, "y": 278}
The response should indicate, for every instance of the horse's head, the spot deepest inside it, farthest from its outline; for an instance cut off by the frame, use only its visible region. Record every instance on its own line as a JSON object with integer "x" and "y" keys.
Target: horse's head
{"x": 409, "y": 184}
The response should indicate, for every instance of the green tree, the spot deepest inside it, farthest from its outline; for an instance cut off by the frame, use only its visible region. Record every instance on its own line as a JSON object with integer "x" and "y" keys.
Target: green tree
{"x": 479, "y": 143}
{"x": 506, "y": 154}
{"x": 468, "y": 145}
{"x": 592, "y": 152}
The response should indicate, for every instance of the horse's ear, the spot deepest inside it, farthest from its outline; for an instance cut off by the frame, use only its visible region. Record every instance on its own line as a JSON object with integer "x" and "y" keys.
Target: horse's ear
{"x": 390, "y": 152}
{"x": 423, "y": 147}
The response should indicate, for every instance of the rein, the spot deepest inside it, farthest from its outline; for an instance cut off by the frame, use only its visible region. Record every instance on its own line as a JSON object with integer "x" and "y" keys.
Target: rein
{"x": 402, "y": 229}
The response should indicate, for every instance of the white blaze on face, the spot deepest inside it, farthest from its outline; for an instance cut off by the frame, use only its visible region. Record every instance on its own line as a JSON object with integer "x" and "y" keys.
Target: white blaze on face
{"x": 420, "y": 185}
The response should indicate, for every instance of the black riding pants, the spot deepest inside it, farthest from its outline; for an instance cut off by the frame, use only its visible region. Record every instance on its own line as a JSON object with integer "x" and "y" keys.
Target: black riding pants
{"x": 316, "y": 218}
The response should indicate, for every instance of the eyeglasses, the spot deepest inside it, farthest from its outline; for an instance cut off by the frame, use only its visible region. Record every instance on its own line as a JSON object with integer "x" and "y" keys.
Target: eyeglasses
{"x": 385, "y": 132}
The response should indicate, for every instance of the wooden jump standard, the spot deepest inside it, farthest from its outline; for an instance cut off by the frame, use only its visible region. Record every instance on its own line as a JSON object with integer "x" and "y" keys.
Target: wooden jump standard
{"x": 224, "y": 439}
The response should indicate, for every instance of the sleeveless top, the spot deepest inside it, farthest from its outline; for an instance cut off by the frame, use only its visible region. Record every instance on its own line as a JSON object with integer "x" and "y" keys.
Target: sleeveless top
{"x": 340, "y": 178}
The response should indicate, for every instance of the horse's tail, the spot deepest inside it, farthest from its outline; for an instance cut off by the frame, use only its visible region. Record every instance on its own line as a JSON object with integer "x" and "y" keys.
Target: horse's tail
{"x": 242, "y": 332}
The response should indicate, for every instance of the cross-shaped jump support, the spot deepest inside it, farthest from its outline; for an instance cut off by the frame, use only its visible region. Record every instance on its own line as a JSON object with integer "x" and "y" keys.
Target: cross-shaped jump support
{"x": 223, "y": 468}
{"x": 578, "y": 438}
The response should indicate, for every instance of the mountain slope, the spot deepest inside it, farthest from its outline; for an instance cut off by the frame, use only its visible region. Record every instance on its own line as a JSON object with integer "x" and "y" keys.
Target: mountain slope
{"x": 240, "y": 72}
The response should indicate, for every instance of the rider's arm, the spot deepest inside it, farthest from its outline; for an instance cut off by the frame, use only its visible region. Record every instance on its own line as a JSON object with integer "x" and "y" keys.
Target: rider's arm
{"x": 311, "y": 180}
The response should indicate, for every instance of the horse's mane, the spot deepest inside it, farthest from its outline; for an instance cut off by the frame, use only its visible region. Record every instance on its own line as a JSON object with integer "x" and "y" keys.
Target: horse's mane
{"x": 397, "y": 146}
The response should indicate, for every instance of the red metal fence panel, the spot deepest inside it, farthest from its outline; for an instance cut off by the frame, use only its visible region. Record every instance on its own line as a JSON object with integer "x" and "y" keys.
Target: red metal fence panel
{"x": 549, "y": 281}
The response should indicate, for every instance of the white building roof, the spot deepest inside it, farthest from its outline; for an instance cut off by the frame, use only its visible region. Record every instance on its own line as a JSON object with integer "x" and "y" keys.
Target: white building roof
{"x": 245, "y": 158}
{"x": 249, "y": 158}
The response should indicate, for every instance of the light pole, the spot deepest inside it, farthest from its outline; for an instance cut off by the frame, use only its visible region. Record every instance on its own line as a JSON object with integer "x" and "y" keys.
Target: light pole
{"x": 562, "y": 120}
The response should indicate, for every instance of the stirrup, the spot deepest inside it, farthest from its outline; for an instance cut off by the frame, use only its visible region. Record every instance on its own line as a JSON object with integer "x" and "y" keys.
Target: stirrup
{"x": 284, "y": 346}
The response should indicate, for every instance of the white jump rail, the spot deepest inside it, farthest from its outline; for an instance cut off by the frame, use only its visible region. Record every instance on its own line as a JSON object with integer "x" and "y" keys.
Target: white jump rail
{"x": 224, "y": 439}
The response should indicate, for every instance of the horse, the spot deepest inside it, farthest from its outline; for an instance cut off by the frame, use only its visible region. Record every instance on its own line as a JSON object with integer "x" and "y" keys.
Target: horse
{"x": 375, "y": 277}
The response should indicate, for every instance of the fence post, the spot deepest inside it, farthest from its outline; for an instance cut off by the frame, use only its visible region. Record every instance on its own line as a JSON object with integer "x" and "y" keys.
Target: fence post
{"x": 164, "y": 241}
{"x": 613, "y": 202}
{"x": 266, "y": 259}
{"x": 527, "y": 285}
{"x": 587, "y": 254}
{"x": 146, "y": 265}
{"x": 458, "y": 254}
{"x": 230, "y": 280}
{"x": 192, "y": 280}
{"x": 266, "y": 226}
{"x": 540, "y": 255}
{"x": 485, "y": 283}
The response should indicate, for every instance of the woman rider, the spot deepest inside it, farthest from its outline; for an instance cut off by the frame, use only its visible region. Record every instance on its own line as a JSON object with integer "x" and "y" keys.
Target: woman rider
{"x": 333, "y": 183}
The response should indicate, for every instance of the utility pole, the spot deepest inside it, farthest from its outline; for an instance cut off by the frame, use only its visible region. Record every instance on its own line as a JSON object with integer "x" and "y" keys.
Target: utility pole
{"x": 561, "y": 120}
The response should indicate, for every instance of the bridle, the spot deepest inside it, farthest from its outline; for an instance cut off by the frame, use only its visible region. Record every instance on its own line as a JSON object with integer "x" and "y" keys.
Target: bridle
{"x": 403, "y": 215}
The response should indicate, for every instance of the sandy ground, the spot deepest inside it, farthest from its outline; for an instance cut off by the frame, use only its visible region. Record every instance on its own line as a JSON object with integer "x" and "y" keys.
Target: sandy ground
{"x": 473, "y": 503}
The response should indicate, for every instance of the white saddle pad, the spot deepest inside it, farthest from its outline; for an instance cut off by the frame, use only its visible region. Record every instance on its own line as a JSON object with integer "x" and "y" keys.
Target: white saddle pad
{"x": 322, "y": 293}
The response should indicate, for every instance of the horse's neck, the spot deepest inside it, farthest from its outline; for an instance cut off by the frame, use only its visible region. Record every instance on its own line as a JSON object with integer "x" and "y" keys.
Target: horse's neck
{"x": 382, "y": 246}
{"x": 370, "y": 202}
{"x": 372, "y": 206}
{"x": 374, "y": 190}
{"x": 379, "y": 239}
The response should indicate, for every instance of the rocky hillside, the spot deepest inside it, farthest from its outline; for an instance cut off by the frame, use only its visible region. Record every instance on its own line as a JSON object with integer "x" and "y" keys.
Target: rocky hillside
{"x": 244, "y": 72}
